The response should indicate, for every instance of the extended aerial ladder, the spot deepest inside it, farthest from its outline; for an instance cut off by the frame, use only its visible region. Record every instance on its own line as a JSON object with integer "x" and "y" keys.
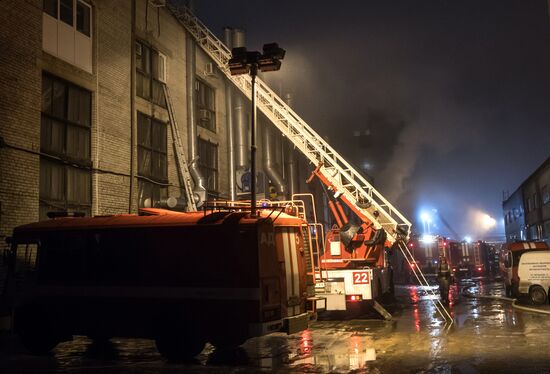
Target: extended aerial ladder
{"x": 347, "y": 182}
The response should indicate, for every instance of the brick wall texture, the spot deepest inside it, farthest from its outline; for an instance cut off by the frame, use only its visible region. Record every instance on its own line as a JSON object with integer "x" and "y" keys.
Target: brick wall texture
{"x": 22, "y": 63}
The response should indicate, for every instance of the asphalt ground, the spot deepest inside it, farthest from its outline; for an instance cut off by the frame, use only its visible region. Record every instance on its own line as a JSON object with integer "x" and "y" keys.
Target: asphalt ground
{"x": 488, "y": 335}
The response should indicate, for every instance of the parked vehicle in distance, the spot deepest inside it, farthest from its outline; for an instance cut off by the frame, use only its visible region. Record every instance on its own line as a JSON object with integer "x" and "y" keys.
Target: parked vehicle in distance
{"x": 534, "y": 276}
{"x": 509, "y": 259}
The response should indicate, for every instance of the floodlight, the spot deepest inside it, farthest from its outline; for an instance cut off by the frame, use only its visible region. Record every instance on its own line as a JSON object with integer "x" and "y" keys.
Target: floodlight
{"x": 273, "y": 51}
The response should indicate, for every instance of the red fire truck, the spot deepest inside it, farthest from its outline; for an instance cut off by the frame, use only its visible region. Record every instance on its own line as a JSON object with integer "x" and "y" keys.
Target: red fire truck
{"x": 183, "y": 279}
{"x": 353, "y": 267}
{"x": 469, "y": 258}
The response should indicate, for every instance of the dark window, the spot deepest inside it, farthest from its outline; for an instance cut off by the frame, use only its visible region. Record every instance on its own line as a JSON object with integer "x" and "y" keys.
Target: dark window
{"x": 65, "y": 14}
{"x": 535, "y": 201}
{"x": 65, "y": 178}
{"x": 205, "y": 98}
{"x": 66, "y": 11}
{"x": 151, "y": 194}
{"x": 208, "y": 165}
{"x": 545, "y": 194}
{"x": 83, "y": 18}
{"x": 150, "y": 74}
{"x": 50, "y": 7}
{"x": 66, "y": 117}
{"x": 152, "y": 160}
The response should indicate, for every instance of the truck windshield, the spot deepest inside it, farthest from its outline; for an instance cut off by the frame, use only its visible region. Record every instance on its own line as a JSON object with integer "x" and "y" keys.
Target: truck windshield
{"x": 25, "y": 258}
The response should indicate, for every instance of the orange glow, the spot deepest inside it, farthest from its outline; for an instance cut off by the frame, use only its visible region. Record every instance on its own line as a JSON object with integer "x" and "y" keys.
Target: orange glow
{"x": 416, "y": 320}
{"x": 413, "y": 294}
{"x": 305, "y": 342}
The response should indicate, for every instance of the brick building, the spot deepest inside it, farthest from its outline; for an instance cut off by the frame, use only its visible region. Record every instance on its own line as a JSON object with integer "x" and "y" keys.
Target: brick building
{"x": 84, "y": 124}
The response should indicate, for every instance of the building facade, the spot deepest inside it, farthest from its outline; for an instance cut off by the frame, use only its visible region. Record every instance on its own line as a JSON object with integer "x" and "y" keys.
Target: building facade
{"x": 527, "y": 210}
{"x": 84, "y": 119}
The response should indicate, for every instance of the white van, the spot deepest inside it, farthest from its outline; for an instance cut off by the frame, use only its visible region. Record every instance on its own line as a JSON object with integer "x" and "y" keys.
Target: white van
{"x": 534, "y": 275}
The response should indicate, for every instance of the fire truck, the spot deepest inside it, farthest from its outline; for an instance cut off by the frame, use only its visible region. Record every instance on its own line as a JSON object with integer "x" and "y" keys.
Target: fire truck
{"x": 345, "y": 272}
{"x": 427, "y": 250}
{"x": 359, "y": 270}
{"x": 469, "y": 258}
{"x": 353, "y": 267}
{"x": 183, "y": 279}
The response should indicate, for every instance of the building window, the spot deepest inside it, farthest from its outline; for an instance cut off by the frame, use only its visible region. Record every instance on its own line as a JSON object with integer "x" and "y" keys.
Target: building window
{"x": 50, "y": 7}
{"x": 529, "y": 205}
{"x": 66, "y": 31}
{"x": 65, "y": 177}
{"x": 535, "y": 201}
{"x": 205, "y": 107}
{"x": 208, "y": 165}
{"x": 533, "y": 233}
{"x": 83, "y": 12}
{"x": 152, "y": 161}
{"x": 150, "y": 74}
{"x": 63, "y": 11}
{"x": 547, "y": 230}
{"x": 545, "y": 194}
{"x": 66, "y": 11}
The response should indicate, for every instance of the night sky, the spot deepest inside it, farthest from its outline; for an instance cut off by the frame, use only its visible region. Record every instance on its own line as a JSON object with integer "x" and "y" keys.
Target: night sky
{"x": 443, "y": 103}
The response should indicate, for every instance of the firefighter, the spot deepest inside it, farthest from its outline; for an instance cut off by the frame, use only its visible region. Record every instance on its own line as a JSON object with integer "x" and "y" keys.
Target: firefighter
{"x": 444, "y": 279}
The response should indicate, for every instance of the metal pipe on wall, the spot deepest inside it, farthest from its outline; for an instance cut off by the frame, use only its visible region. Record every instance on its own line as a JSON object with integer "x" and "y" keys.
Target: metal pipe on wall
{"x": 133, "y": 125}
{"x": 200, "y": 183}
{"x": 229, "y": 92}
{"x": 269, "y": 160}
{"x": 240, "y": 114}
{"x": 290, "y": 159}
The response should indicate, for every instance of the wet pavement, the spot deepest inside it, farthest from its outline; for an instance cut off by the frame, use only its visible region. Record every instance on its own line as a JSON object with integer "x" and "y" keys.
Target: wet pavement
{"x": 487, "y": 336}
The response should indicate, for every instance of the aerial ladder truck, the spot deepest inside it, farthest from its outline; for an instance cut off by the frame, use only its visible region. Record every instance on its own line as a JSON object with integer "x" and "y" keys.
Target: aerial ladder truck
{"x": 381, "y": 224}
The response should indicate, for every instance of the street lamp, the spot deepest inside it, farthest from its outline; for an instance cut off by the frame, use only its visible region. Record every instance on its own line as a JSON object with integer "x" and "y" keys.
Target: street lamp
{"x": 247, "y": 62}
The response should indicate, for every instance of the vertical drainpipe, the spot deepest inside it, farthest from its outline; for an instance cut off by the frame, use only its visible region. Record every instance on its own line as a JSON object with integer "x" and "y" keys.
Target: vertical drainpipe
{"x": 227, "y": 33}
{"x": 200, "y": 185}
{"x": 132, "y": 107}
{"x": 290, "y": 160}
{"x": 96, "y": 106}
{"x": 240, "y": 115}
{"x": 269, "y": 159}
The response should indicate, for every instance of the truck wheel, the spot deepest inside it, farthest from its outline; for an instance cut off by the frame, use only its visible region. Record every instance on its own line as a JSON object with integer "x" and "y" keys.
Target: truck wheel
{"x": 179, "y": 348}
{"x": 100, "y": 338}
{"x": 538, "y": 295}
{"x": 226, "y": 342}
{"x": 35, "y": 331}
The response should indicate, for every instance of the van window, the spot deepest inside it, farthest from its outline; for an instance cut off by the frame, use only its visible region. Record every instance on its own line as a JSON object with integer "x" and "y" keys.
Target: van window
{"x": 507, "y": 260}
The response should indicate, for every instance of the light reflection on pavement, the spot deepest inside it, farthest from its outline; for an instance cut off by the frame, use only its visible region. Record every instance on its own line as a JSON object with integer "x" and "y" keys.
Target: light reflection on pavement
{"x": 486, "y": 336}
